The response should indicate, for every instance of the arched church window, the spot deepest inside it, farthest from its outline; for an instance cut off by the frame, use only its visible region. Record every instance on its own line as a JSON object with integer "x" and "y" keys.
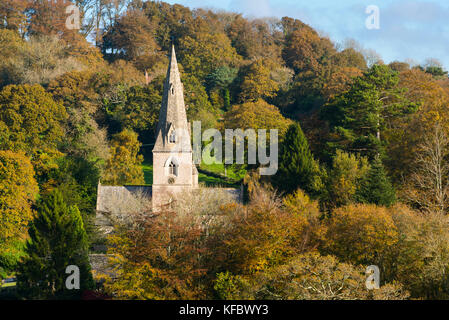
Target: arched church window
{"x": 172, "y": 137}
{"x": 173, "y": 168}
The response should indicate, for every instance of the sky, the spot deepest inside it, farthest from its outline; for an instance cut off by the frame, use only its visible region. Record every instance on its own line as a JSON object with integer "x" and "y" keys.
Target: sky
{"x": 408, "y": 30}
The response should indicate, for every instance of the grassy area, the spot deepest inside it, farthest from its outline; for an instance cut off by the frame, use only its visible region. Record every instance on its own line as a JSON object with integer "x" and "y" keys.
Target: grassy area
{"x": 208, "y": 180}
{"x": 148, "y": 173}
{"x": 8, "y": 285}
{"x": 219, "y": 168}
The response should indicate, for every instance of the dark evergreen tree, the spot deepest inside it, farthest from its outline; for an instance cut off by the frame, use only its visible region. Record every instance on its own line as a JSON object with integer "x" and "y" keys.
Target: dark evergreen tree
{"x": 359, "y": 116}
{"x": 376, "y": 188}
{"x": 57, "y": 240}
{"x": 297, "y": 167}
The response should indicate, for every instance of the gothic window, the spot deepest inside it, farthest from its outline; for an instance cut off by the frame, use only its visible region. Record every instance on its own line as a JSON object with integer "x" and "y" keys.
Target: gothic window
{"x": 172, "y": 137}
{"x": 173, "y": 169}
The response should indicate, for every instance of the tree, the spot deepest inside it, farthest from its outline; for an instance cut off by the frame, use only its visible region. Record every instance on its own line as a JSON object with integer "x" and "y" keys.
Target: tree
{"x": 30, "y": 120}
{"x": 218, "y": 84}
{"x": 18, "y": 190}
{"x": 361, "y": 234}
{"x": 345, "y": 176}
{"x": 297, "y": 167}
{"x": 197, "y": 101}
{"x": 257, "y": 82}
{"x": 399, "y": 66}
{"x": 260, "y": 235}
{"x": 420, "y": 258}
{"x": 376, "y": 188}
{"x": 49, "y": 18}
{"x": 124, "y": 165}
{"x": 44, "y": 58}
{"x": 309, "y": 56}
{"x": 204, "y": 52}
{"x": 406, "y": 134}
{"x": 77, "y": 91}
{"x": 131, "y": 37}
{"x": 253, "y": 39}
{"x": 428, "y": 186}
{"x": 314, "y": 277}
{"x": 161, "y": 257}
{"x": 11, "y": 45}
{"x": 360, "y": 115}
{"x": 135, "y": 108}
{"x": 305, "y": 50}
{"x": 13, "y": 15}
{"x": 256, "y": 115}
{"x": 77, "y": 180}
{"x": 57, "y": 240}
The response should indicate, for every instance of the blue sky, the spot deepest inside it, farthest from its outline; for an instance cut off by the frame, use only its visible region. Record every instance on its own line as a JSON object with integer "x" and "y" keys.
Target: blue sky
{"x": 409, "y": 29}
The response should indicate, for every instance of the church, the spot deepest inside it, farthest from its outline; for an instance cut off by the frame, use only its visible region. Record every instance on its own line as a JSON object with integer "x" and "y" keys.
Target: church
{"x": 173, "y": 167}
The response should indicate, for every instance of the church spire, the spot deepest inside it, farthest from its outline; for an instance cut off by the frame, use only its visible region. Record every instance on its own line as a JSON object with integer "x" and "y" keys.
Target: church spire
{"x": 172, "y": 116}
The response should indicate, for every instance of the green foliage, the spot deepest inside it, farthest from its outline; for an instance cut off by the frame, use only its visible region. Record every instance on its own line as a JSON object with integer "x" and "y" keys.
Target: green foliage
{"x": 297, "y": 167}
{"x": 255, "y": 115}
{"x": 18, "y": 190}
{"x": 77, "y": 179}
{"x": 360, "y": 115}
{"x": 376, "y": 187}
{"x": 94, "y": 105}
{"x": 57, "y": 240}
{"x": 80, "y": 93}
{"x": 345, "y": 178}
{"x": 31, "y": 121}
{"x": 125, "y": 164}
{"x": 202, "y": 53}
{"x": 257, "y": 83}
{"x": 222, "y": 77}
{"x": 136, "y": 108}
{"x": 437, "y": 72}
{"x": 197, "y": 102}
{"x": 228, "y": 286}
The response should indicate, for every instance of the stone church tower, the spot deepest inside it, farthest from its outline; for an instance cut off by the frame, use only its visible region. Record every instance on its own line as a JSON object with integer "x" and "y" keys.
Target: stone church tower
{"x": 173, "y": 168}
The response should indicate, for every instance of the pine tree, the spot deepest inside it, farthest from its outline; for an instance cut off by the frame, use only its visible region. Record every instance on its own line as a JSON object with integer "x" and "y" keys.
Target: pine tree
{"x": 297, "y": 167}
{"x": 376, "y": 188}
{"x": 57, "y": 240}
{"x": 226, "y": 99}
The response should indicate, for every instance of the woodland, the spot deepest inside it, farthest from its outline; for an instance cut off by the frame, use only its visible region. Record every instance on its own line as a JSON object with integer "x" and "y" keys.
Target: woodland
{"x": 363, "y": 175}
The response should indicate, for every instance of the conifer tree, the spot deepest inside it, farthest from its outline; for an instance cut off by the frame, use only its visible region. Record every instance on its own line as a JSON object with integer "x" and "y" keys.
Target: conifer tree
{"x": 57, "y": 240}
{"x": 376, "y": 188}
{"x": 297, "y": 167}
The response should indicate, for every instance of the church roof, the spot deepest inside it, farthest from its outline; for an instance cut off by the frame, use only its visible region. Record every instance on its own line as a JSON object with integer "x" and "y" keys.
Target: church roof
{"x": 173, "y": 113}
{"x": 115, "y": 202}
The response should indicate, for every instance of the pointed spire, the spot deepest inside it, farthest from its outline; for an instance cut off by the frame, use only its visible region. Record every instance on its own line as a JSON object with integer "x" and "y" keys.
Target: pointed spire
{"x": 173, "y": 61}
{"x": 173, "y": 112}
{"x": 173, "y": 71}
{"x": 147, "y": 77}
